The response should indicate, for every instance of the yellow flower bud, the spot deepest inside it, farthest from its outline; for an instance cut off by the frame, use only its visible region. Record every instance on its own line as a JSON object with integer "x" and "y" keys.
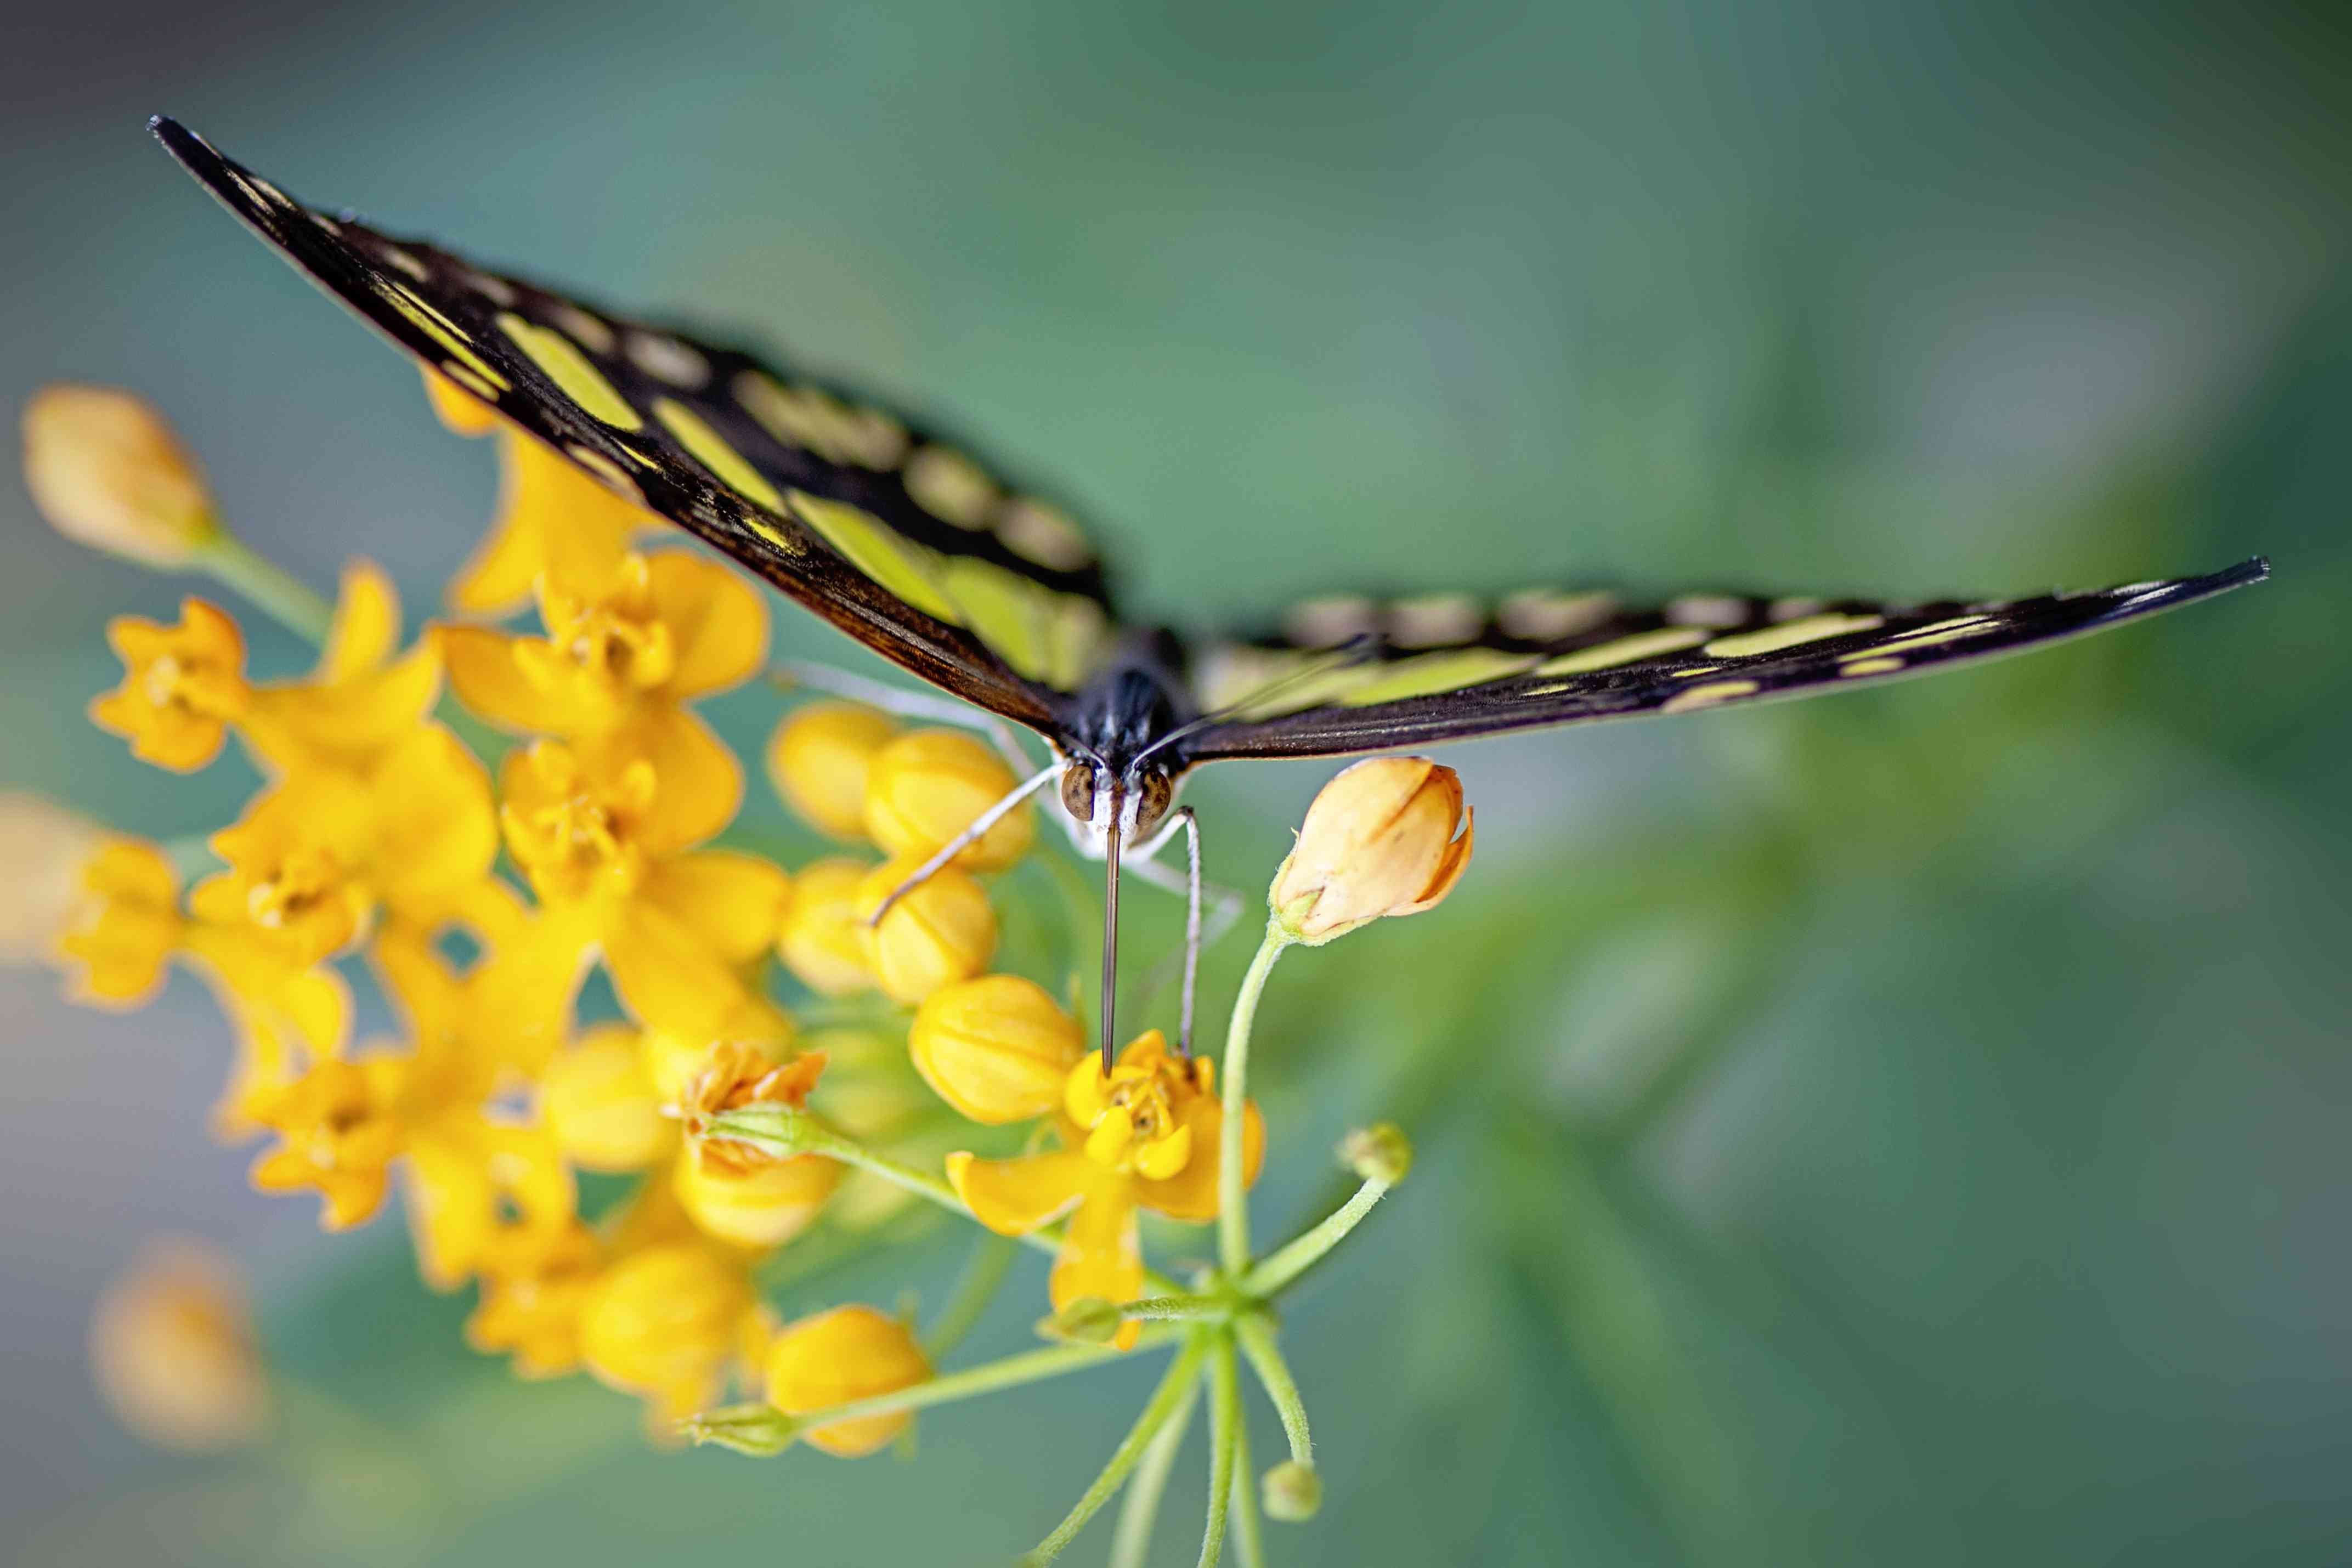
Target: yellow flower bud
{"x": 1379, "y": 840}
{"x": 925, "y": 787}
{"x": 107, "y": 471}
{"x": 819, "y": 760}
{"x": 752, "y": 1201}
{"x": 600, "y": 1104}
{"x": 820, "y": 941}
{"x": 850, "y": 1353}
{"x": 942, "y": 932}
{"x": 172, "y": 1346}
{"x": 997, "y": 1048}
{"x": 665, "y": 1323}
{"x": 43, "y": 848}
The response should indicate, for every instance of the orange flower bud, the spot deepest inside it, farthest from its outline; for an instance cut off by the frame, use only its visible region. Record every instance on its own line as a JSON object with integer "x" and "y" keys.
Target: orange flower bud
{"x": 107, "y": 471}
{"x": 850, "y": 1353}
{"x": 600, "y": 1104}
{"x": 925, "y": 787}
{"x": 820, "y": 941}
{"x": 172, "y": 1346}
{"x": 997, "y": 1048}
{"x": 820, "y": 759}
{"x": 1379, "y": 840}
{"x": 942, "y": 932}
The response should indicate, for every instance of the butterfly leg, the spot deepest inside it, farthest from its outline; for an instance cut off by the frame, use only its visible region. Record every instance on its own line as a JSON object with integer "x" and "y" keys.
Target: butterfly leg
{"x": 1225, "y": 908}
{"x": 965, "y": 840}
{"x": 905, "y": 704}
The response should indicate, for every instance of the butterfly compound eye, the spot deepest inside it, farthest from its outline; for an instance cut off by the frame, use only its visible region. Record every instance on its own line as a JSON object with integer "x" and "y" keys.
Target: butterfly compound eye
{"x": 1155, "y": 793}
{"x": 1078, "y": 791}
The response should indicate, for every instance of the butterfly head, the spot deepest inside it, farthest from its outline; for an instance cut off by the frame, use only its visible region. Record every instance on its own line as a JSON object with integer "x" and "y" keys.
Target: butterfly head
{"x": 1099, "y": 796}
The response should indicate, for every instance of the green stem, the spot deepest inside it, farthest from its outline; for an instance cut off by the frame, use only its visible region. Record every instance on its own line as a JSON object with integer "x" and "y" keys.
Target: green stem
{"x": 1173, "y": 1394}
{"x": 983, "y": 1275}
{"x": 780, "y": 1130}
{"x": 1256, "y": 1337}
{"x": 1224, "y": 1416}
{"x": 1294, "y": 1257}
{"x": 1233, "y": 1213}
{"x": 1176, "y": 1308}
{"x": 1249, "y": 1536}
{"x": 267, "y": 586}
{"x": 1131, "y": 1538}
{"x": 1007, "y": 1372}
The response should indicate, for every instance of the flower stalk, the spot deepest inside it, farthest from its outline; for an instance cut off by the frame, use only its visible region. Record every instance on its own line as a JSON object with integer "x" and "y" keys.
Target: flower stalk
{"x": 1233, "y": 1204}
{"x": 1173, "y": 1396}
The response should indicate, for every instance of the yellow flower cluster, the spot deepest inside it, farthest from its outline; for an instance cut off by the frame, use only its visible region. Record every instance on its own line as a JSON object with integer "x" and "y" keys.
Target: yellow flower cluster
{"x": 479, "y": 896}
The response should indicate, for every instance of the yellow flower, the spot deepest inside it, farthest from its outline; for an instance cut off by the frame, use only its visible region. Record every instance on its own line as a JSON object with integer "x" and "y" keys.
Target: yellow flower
{"x": 601, "y": 1103}
{"x": 105, "y": 470}
{"x": 1381, "y": 839}
{"x": 173, "y": 1348}
{"x": 474, "y": 1179}
{"x": 310, "y": 859}
{"x": 553, "y": 521}
{"x": 820, "y": 941}
{"x": 665, "y": 1324}
{"x": 127, "y": 927}
{"x": 942, "y": 932}
{"x": 1146, "y": 1136}
{"x": 732, "y": 1191}
{"x": 603, "y": 840}
{"x": 533, "y": 1292}
{"x": 997, "y": 1048}
{"x": 617, "y": 664}
{"x": 339, "y": 1130}
{"x": 831, "y": 1358}
{"x": 925, "y": 787}
{"x": 359, "y": 701}
{"x": 820, "y": 759}
{"x": 181, "y": 687}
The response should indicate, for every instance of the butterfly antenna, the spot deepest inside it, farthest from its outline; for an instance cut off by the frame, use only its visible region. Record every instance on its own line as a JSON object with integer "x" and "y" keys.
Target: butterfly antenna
{"x": 1110, "y": 934}
{"x": 1355, "y": 650}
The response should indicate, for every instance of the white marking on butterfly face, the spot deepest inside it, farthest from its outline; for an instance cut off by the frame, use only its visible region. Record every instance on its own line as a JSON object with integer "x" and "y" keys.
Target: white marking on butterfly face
{"x": 665, "y": 359}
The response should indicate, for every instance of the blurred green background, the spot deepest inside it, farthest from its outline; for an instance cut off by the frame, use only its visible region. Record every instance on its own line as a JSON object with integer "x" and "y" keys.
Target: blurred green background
{"x": 1906, "y": 1126}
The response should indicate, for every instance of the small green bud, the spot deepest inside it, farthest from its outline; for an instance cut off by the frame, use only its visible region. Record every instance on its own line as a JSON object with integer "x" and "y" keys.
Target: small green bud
{"x": 1292, "y": 1491}
{"x": 1379, "y": 1153}
{"x": 758, "y": 1429}
{"x": 1089, "y": 1320}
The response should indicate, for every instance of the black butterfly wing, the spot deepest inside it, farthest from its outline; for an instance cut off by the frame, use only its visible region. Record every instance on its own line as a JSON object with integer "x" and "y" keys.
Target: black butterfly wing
{"x": 1344, "y": 675}
{"x": 893, "y": 534}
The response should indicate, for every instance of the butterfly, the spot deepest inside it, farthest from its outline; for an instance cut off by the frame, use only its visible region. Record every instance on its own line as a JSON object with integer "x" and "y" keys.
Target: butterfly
{"x": 981, "y": 585}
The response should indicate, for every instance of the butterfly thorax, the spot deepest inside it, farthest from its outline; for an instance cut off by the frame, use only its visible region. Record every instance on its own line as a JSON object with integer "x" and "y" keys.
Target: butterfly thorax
{"x": 1122, "y": 752}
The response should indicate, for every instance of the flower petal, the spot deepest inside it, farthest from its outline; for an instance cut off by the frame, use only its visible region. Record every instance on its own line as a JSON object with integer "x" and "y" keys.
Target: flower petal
{"x": 667, "y": 977}
{"x": 732, "y": 901}
{"x": 718, "y": 623}
{"x": 1191, "y": 1193}
{"x": 366, "y": 627}
{"x": 1016, "y": 1195}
